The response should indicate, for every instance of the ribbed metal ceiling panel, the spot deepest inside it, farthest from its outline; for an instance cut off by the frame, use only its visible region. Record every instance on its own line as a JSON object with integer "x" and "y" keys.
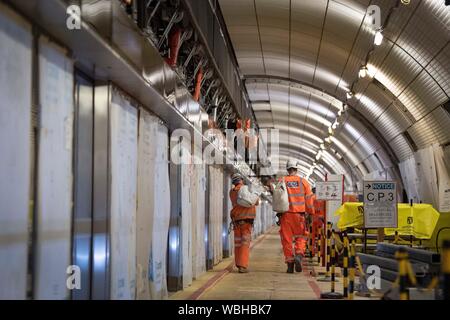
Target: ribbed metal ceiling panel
{"x": 440, "y": 66}
{"x": 398, "y": 70}
{"x": 401, "y": 148}
{"x": 422, "y": 96}
{"x": 422, "y": 132}
{"x": 323, "y": 44}
{"x": 401, "y": 17}
{"x": 306, "y": 26}
{"x": 424, "y": 35}
{"x": 373, "y": 103}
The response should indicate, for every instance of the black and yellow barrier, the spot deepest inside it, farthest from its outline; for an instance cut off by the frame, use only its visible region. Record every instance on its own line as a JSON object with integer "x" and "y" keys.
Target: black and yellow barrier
{"x": 406, "y": 277}
{"x": 351, "y": 284}
{"x": 333, "y": 262}
{"x": 319, "y": 247}
{"x": 445, "y": 269}
{"x": 332, "y": 294}
{"x": 402, "y": 258}
{"x": 327, "y": 276}
{"x": 345, "y": 266}
{"x": 328, "y": 249}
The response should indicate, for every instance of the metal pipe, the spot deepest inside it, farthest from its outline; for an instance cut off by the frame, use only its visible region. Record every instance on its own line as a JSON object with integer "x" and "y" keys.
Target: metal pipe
{"x": 415, "y": 254}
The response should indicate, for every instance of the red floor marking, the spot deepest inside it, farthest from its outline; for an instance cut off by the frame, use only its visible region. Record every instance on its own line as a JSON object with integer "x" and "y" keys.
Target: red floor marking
{"x": 312, "y": 283}
{"x": 219, "y": 276}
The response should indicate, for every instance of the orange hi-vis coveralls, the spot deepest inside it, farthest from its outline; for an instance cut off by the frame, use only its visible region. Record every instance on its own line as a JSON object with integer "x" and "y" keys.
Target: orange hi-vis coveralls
{"x": 293, "y": 224}
{"x": 243, "y": 220}
{"x": 318, "y": 220}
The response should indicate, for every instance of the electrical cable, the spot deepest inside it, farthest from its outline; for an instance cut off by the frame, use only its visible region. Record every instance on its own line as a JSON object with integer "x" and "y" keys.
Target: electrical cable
{"x": 437, "y": 237}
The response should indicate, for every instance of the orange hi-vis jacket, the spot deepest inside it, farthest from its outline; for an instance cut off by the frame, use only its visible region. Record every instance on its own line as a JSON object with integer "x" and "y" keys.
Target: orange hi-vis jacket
{"x": 239, "y": 212}
{"x": 300, "y": 195}
{"x": 319, "y": 207}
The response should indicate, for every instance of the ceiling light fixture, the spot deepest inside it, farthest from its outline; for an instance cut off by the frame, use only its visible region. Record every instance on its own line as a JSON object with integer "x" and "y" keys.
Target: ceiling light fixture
{"x": 378, "y": 38}
{"x": 363, "y": 72}
{"x": 349, "y": 94}
{"x": 406, "y": 2}
{"x": 335, "y": 124}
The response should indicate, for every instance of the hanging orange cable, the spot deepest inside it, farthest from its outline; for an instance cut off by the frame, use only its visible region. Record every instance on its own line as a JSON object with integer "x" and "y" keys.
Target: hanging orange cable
{"x": 198, "y": 84}
{"x": 174, "y": 45}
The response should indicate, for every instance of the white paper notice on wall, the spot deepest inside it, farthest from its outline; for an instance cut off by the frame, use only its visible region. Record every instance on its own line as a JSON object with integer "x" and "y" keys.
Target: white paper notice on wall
{"x": 333, "y": 205}
{"x": 426, "y": 172}
{"x": 443, "y": 177}
{"x": 410, "y": 179}
{"x": 53, "y": 249}
{"x": 123, "y": 157}
{"x": 153, "y": 208}
{"x": 15, "y": 128}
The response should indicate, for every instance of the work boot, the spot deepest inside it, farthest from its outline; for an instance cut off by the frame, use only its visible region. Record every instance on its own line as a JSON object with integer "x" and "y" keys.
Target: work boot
{"x": 243, "y": 270}
{"x": 290, "y": 267}
{"x": 298, "y": 263}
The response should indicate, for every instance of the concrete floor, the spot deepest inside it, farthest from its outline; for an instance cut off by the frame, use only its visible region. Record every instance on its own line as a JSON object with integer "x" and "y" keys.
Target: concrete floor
{"x": 267, "y": 279}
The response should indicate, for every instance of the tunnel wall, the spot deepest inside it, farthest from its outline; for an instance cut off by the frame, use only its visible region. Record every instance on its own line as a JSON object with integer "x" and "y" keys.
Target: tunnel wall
{"x": 98, "y": 165}
{"x": 15, "y": 121}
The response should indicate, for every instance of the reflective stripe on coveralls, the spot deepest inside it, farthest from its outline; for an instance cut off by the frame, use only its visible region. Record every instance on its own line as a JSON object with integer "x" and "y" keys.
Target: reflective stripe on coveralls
{"x": 300, "y": 195}
{"x": 242, "y": 218}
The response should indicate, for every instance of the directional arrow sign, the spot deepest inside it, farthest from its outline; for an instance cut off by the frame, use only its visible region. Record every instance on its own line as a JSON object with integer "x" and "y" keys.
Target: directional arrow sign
{"x": 380, "y": 204}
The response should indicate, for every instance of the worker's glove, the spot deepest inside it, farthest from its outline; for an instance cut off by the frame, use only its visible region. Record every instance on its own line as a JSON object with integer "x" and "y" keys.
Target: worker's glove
{"x": 279, "y": 218}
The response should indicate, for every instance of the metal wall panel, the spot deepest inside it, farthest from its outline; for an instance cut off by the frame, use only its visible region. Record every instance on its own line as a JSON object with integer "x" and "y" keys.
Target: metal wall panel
{"x": 15, "y": 155}
{"x": 54, "y": 202}
{"x": 174, "y": 262}
{"x": 100, "y": 226}
{"x": 82, "y": 211}
{"x": 227, "y": 238}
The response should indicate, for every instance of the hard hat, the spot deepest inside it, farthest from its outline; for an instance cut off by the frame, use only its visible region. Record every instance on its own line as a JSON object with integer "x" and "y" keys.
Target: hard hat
{"x": 291, "y": 164}
{"x": 235, "y": 178}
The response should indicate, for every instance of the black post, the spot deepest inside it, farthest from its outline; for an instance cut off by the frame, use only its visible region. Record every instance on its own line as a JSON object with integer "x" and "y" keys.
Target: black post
{"x": 445, "y": 269}
{"x": 365, "y": 240}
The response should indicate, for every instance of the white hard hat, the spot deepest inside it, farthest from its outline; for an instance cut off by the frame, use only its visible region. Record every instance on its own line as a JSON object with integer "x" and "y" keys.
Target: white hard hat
{"x": 235, "y": 178}
{"x": 291, "y": 164}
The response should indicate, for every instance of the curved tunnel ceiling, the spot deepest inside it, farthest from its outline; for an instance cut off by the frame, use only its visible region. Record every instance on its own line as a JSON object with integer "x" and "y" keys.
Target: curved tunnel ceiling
{"x": 299, "y": 58}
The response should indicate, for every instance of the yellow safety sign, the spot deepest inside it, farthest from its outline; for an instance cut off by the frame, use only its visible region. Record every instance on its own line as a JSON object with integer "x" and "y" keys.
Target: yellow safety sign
{"x": 418, "y": 220}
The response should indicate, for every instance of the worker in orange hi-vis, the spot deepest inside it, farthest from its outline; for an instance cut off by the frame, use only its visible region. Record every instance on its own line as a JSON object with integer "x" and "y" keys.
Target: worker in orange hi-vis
{"x": 318, "y": 220}
{"x": 293, "y": 222}
{"x": 242, "y": 218}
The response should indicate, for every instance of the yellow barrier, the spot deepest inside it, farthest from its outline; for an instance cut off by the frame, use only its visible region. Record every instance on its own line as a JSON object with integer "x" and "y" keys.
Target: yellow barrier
{"x": 418, "y": 220}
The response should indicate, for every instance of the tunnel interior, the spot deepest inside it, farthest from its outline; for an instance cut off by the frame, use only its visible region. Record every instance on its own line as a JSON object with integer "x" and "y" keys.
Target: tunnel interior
{"x": 98, "y": 99}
